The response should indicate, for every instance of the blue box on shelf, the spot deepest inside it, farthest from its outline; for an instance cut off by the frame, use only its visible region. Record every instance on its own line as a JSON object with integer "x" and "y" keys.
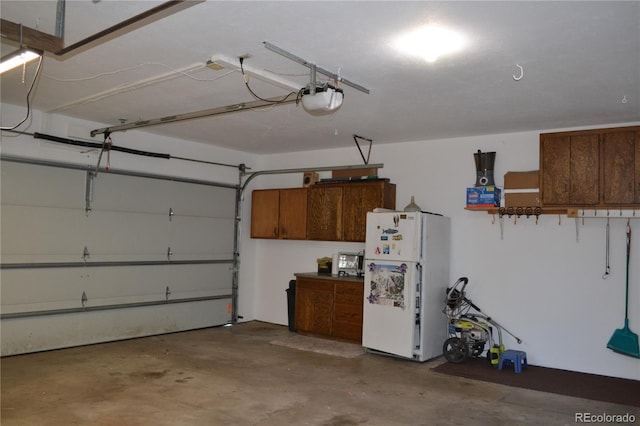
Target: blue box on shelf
{"x": 483, "y": 197}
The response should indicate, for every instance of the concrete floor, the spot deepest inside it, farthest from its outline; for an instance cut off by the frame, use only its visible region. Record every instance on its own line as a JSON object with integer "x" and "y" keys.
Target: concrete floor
{"x": 234, "y": 376}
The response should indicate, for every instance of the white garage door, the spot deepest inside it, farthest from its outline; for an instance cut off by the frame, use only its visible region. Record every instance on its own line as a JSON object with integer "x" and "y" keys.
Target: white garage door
{"x": 111, "y": 257}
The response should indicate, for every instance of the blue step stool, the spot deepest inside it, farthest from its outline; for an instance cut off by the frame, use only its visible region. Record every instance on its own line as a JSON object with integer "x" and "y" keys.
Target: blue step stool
{"x": 517, "y": 358}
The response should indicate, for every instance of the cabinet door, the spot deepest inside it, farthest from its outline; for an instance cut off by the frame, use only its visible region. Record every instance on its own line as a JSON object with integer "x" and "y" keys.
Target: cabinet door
{"x": 570, "y": 170}
{"x": 325, "y": 213}
{"x": 352, "y": 212}
{"x": 585, "y": 170}
{"x": 314, "y": 306}
{"x": 293, "y": 214}
{"x": 555, "y": 166}
{"x": 348, "y": 307}
{"x": 265, "y": 213}
{"x": 358, "y": 200}
{"x": 619, "y": 158}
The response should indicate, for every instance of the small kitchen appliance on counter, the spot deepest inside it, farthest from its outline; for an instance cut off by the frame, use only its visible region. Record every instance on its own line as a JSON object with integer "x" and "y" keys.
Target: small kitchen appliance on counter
{"x": 350, "y": 264}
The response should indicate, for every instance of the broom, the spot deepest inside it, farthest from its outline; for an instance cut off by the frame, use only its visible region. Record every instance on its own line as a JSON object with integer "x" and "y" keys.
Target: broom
{"x": 624, "y": 340}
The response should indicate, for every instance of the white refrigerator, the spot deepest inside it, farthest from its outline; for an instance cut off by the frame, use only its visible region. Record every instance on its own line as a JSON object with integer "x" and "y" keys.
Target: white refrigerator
{"x": 406, "y": 273}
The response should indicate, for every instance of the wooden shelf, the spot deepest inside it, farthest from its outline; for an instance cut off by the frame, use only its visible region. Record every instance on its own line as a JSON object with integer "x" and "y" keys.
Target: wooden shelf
{"x": 605, "y": 213}
{"x": 522, "y": 213}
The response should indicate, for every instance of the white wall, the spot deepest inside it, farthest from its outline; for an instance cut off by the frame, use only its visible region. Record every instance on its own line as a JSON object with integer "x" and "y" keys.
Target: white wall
{"x": 538, "y": 281}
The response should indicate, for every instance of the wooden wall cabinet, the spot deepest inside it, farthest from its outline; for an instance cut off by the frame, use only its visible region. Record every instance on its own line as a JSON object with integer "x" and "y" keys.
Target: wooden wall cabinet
{"x": 621, "y": 167}
{"x": 279, "y": 213}
{"x": 324, "y": 212}
{"x": 330, "y": 307}
{"x": 338, "y": 212}
{"x": 596, "y": 168}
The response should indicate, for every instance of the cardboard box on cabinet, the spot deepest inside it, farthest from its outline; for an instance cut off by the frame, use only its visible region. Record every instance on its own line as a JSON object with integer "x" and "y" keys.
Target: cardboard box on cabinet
{"x": 521, "y": 180}
{"x": 521, "y": 189}
{"x": 522, "y": 199}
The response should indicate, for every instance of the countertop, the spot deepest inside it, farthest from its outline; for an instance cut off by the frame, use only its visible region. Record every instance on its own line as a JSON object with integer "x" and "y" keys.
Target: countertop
{"x": 329, "y": 277}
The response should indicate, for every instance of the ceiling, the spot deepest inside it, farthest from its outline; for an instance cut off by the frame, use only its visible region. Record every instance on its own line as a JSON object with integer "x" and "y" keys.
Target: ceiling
{"x": 580, "y": 67}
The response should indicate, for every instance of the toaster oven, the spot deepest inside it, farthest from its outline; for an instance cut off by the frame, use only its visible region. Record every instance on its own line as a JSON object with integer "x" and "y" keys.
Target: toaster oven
{"x": 350, "y": 264}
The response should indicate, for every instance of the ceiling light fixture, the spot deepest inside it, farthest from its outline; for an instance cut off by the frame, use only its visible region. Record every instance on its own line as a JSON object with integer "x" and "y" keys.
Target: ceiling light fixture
{"x": 18, "y": 58}
{"x": 430, "y": 42}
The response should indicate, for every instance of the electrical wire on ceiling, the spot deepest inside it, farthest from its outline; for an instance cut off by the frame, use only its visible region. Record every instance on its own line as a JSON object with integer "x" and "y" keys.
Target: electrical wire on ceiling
{"x": 245, "y": 78}
{"x": 33, "y": 83}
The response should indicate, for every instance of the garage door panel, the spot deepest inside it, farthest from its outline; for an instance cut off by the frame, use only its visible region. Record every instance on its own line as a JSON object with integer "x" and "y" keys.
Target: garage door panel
{"x": 32, "y": 185}
{"x": 120, "y": 236}
{"x": 113, "y": 192}
{"x": 215, "y": 278}
{"x": 42, "y": 234}
{"x": 27, "y": 290}
{"x": 201, "y": 238}
{"x": 26, "y": 335}
{"x": 125, "y": 284}
{"x": 113, "y": 284}
{"x": 202, "y": 200}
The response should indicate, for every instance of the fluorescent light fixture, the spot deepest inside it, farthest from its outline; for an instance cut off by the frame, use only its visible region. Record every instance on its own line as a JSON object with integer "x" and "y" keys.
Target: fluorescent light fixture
{"x": 430, "y": 42}
{"x": 18, "y": 58}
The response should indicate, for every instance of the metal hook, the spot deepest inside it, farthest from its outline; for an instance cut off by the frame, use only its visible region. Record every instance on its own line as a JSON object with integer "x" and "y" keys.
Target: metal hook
{"x": 516, "y": 78}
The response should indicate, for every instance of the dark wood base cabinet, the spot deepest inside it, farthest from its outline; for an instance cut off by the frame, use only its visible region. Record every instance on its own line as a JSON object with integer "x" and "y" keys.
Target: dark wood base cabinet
{"x": 329, "y": 306}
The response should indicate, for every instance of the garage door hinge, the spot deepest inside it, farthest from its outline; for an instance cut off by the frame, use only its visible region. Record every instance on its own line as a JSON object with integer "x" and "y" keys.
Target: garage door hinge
{"x": 167, "y": 293}
{"x": 84, "y": 299}
{"x": 85, "y": 254}
{"x": 171, "y": 213}
{"x": 169, "y": 253}
{"x": 88, "y": 194}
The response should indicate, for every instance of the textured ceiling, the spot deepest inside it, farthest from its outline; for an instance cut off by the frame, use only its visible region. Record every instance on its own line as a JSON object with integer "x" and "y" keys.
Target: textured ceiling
{"x": 580, "y": 62}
